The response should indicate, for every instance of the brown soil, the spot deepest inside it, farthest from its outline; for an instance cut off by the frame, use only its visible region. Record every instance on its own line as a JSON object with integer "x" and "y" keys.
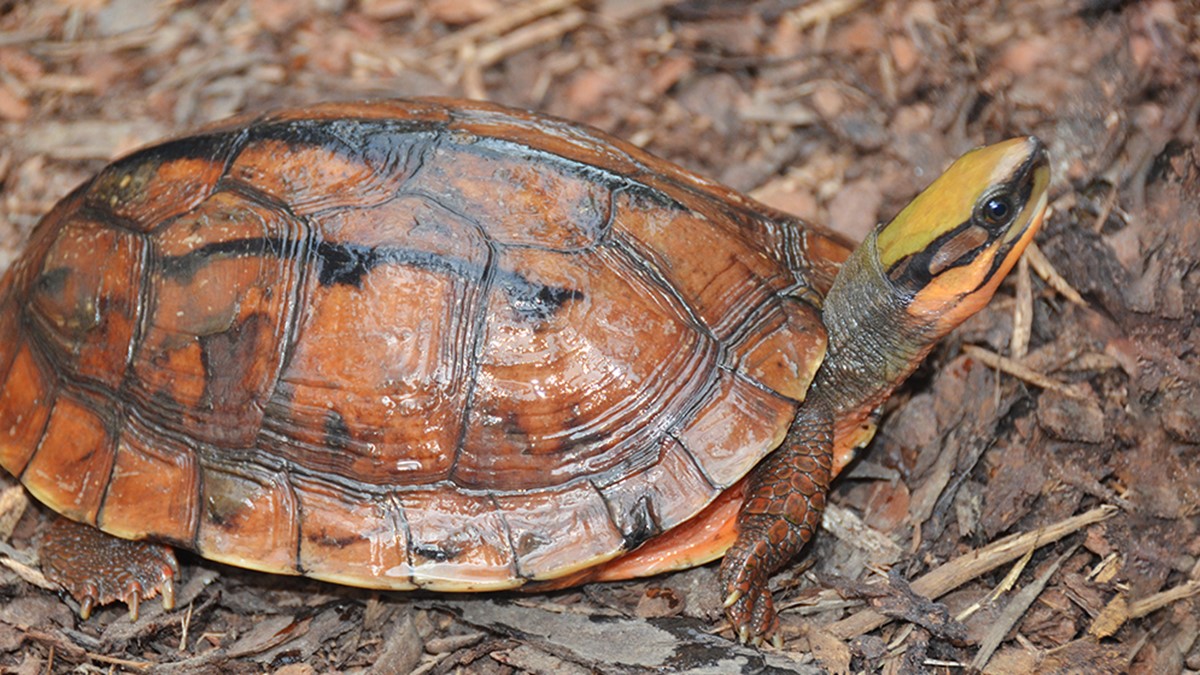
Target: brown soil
{"x": 835, "y": 110}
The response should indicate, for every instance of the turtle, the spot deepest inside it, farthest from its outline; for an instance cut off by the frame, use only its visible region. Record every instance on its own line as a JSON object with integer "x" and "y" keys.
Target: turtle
{"x": 449, "y": 345}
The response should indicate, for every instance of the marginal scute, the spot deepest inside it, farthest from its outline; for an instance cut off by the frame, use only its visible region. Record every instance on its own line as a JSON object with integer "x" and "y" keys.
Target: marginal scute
{"x": 25, "y": 403}
{"x": 559, "y": 530}
{"x": 737, "y": 426}
{"x": 71, "y": 474}
{"x": 159, "y": 183}
{"x": 151, "y": 469}
{"x": 247, "y": 516}
{"x": 546, "y": 134}
{"x": 645, "y": 503}
{"x": 458, "y": 541}
{"x": 340, "y": 163}
{"x": 412, "y": 111}
{"x": 353, "y": 538}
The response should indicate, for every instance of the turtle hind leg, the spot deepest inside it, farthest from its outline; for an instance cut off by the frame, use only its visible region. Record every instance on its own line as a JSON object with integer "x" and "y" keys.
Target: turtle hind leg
{"x": 785, "y": 499}
{"x": 98, "y": 568}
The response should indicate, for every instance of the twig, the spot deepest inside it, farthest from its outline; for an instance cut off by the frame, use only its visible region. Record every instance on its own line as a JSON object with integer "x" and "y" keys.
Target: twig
{"x": 969, "y": 566}
{"x": 1106, "y": 209}
{"x": 525, "y": 37}
{"x": 1006, "y": 584}
{"x": 124, "y": 663}
{"x": 821, "y": 12}
{"x": 500, "y": 23}
{"x": 1045, "y": 270}
{"x": 29, "y": 574}
{"x": 1007, "y": 365}
{"x": 1152, "y": 603}
{"x": 1022, "y": 312}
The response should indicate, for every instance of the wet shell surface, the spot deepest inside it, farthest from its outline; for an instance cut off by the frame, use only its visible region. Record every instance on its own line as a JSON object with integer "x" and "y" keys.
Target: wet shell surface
{"x": 407, "y": 344}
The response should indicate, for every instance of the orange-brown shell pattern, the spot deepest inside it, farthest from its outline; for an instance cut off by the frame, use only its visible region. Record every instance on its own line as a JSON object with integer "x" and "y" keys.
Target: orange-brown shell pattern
{"x": 406, "y": 344}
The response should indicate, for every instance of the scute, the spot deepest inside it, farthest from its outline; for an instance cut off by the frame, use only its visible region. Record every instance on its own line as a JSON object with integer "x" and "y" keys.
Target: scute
{"x": 247, "y": 514}
{"x": 586, "y": 387}
{"x": 382, "y": 403}
{"x": 405, "y": 344}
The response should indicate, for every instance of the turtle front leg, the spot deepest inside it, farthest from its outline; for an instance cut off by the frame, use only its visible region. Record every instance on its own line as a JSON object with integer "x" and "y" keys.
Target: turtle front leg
{"x": 784, "y": 501}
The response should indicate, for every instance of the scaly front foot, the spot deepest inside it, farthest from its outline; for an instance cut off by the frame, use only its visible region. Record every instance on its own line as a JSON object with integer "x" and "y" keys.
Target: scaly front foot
{"x": 745, "y": 573}
{"x": 783, "y": 506}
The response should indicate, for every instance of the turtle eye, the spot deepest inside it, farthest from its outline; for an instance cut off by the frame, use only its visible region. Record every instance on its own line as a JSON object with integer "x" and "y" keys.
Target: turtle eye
{"x": 996, "y": 210}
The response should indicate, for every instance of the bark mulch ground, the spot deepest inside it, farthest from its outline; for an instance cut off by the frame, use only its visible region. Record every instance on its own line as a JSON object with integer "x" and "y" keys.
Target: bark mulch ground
{"x": 1030, "y": 503}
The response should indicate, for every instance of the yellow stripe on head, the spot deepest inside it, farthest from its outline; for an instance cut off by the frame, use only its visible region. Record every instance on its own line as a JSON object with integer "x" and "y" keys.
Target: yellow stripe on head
{"x": 950, "y": 200}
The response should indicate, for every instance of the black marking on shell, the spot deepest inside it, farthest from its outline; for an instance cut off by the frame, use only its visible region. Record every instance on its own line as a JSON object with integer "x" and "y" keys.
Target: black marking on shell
{"x": 227, "y": 355}
{"x": 337, "y": 432}
{"x": 536, "y": 301}
{"x": 348, "y": 264}
{"x": 642, "y": 523}
{"x": 374, "y": 141}
{"x": 434, "y": 552}
{"x": 51, "y": 282}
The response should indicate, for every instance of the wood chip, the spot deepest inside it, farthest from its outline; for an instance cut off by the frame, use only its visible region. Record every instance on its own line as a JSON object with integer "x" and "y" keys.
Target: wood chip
{"x": 13, "y": 502}
{"x": 822, "y": 12}
{"x": 1111, "y": 618}
{"x": 831, "y": 653}
{"x": 545, "y": 30}
{"x": 529, "y": 659}
{"x": 953, "y": 574}
{"x": 847, "y": 526}
{"x": 1014, "y": 610}
{"x": 13, "y": 106}
{"x": 402, "y": 648}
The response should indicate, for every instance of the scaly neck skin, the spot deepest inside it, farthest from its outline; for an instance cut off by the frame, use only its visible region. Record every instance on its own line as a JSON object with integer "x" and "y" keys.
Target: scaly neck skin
{"x": 874, "y": 344}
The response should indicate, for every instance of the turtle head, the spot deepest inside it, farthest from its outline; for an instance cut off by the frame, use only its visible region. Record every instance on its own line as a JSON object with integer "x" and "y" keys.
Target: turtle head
{"x": 949, "y": 249}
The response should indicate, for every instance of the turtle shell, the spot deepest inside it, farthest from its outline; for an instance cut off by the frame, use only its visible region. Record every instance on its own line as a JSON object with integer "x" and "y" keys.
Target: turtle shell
{"x": 408, "y": 344}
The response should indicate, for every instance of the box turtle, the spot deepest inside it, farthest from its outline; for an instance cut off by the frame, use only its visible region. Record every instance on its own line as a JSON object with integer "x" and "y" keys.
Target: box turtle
{"x": 452, "y": 346}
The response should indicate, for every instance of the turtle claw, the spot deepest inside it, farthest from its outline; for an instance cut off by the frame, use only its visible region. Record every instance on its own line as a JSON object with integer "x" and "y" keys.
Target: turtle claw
{"x": 732, "y": 598}
{"x": 133, "y": 598}
{"x": 86, "y": 605}
{"x": 752, "y": 616}
{"x": 168, "y": 592}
